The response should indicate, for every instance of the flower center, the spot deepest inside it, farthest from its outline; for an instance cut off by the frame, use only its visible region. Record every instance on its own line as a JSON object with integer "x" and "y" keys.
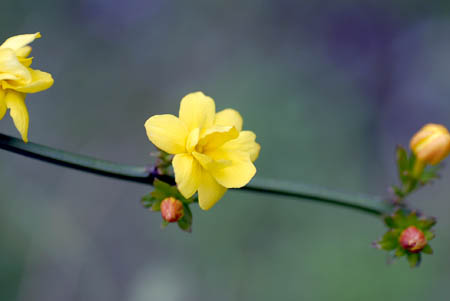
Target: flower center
{"x": 199, "y": 148}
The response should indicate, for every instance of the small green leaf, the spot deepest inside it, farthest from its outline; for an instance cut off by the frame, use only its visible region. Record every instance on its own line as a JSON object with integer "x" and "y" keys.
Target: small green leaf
{"x": 389, "y": 241}
{"x": 185, "y": 226}
{"x": 148, "y": 200}
{"x": 400, "y": 219}
{"x": 163, "y": 190}
{"x": 399, "y": 252}
{"x": 427, "y": 250}
{"x": 430, "y": 174}
{"x": 402, "y": 163}
{"x": 185, "y": 223}
{"x": 158, "y": 194}
{"x": 164, "y": 224}
{"x": 414, "y": 259}
{"x": 411, "y": 219}
{"x": 156, "y": 205}
{"x": 398, "y": 192}
{"x": 389, "y": 221}
{"x": 163, "y": 187}
{"x": 410, "y": 186}
{"x": 412, "y": 161}
{"x": 426, "y": 224}
{"x": 429, "y": 235}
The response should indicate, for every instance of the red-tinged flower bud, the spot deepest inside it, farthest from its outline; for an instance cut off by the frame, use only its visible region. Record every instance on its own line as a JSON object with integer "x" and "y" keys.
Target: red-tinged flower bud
{"x": 412, "y": 239}
{"x": 171, "y": 209}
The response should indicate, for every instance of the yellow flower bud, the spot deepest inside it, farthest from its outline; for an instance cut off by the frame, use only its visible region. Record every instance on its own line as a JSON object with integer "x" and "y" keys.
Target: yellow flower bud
{"x": 431, "y": 144}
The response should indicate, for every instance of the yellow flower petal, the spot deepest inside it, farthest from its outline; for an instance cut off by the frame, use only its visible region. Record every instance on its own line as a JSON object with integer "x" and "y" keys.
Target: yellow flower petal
{"x": 23, "y": 52}
{"x": 2, "y": 103}
{"x": 10, "y": 64}
{"x": 167, "y": 132}
{"x": 192, "y": 140}
{"x": 436, "y": 150}
{"x": 208, "y": 163}
{"x": 197, "y": 111}
{"x": 244, "y": 143}
{"x": 17, "y": 42}
{"x": 237, "y": 175}
{"x": 229, "y": 117}
{"x": 8, "y": 76}
{"x": 209, "y": 191}
{"x": 26, "y": 61}
{"x": 188, "y": 174}
{"x": 15, "y": 101}
{"x": 40, "y": 81}
{"x": 239, "y": 171}
{"x": 216, "y": 136}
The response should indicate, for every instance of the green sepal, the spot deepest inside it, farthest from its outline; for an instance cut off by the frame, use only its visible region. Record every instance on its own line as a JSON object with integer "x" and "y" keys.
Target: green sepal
{"x": 164, "y": 224}
{"x": 429, "y": 174}
{"x": 398, "y": 191}
{"x": 412, "y": 161}
{"x": 429, "y": 235}
{"x": 411, "y": 220}
{"x": 156, "y": 206}
{"x": 163, "y": 190}
{"x": 150, "y": 202}
{"x": 426, "y": 224}
{"x": 185, "y": 223}
{"x": 389, "y": 241}
{"x": 398, "y": 219}
{"x": 427, "y": 250}
{"x": 159, "y": 194}
{"x": 402, "y": 163}
{"x": 402, "y": 219}
{"x": 389, "y": 221}
{"x": 414, "y": 259}
{"x": 399, "y": 252}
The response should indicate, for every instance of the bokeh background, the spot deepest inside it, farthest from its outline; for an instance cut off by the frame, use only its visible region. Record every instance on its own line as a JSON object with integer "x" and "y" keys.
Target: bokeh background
{"x": 330, "y": 87}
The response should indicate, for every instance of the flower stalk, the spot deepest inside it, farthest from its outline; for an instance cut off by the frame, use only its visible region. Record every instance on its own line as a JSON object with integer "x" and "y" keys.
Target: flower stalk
{"x": 147, "y": 175}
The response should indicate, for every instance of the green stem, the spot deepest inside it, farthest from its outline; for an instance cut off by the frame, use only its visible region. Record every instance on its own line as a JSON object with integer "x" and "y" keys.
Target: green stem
{"x": 139, "y": 174}
{"x": 418, "y": 168}
{"x": 369, "y": 204}
{"x": 147, "y": 174}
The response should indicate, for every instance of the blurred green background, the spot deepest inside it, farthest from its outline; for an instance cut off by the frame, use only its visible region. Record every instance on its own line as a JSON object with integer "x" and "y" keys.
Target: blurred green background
{"x": 330, "y": 87}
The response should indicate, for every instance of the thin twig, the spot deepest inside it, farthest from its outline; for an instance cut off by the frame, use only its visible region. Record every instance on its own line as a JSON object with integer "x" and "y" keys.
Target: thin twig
{"x": 147, "y": 174}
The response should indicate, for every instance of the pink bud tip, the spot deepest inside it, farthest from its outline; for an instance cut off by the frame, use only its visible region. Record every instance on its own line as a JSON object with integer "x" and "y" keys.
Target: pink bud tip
{"x": 171, "y": 209}
{"x": 412, "y": 239}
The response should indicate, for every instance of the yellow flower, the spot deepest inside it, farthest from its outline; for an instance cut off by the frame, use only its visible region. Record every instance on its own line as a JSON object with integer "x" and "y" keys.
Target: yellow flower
{"x": 212, "y": 153}
{"x": 17, "y": 79}
{"x": 431, "y": 144}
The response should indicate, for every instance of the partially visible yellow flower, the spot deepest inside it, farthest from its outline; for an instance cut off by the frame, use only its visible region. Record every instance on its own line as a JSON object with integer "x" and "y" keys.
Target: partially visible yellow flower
{"x": 431, "y": 144}
{"x": 212, "y": 153}
{"x": 17, "y": 79}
